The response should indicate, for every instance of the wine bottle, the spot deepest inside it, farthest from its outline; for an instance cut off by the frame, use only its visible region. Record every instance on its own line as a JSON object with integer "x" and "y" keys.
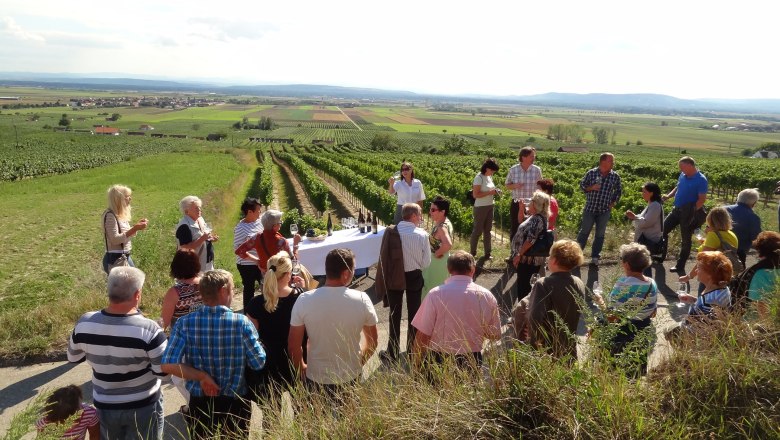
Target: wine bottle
{"x": 361, "y": 222}
{"x": 369, "y": 223}
{"x": 330, "y": 226}
{"x": 374, "y": 226}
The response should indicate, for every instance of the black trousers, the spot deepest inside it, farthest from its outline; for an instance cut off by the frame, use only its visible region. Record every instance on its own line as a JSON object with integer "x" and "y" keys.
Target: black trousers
{"x": 414, "y": 285}
{"x": 682, "y": 217}
{"x": 514, "y": 211}
{"x": 223, "y": 415}
{"x": 250, "y": 274}
{"x": 523, "y": 287}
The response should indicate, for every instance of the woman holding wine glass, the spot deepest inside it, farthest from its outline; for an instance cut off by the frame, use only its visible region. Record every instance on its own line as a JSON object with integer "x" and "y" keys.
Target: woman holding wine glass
{"x": 248, "y": 227}
{"x": 440, "y": 240}
{"x": 407, "y": 188}
{"x": 116, "y": 226}
{"x": 194, "y": 233}
{"x": 527, "y": 232}
{"x": 269, "y": 242}
{"x": 714, "y": 271}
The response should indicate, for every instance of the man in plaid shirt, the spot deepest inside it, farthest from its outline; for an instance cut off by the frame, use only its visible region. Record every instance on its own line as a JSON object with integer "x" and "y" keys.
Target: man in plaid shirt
{"x": 602, "y": 191}
{"x": 522, "y": 179}
{"x": 216, "y": 345}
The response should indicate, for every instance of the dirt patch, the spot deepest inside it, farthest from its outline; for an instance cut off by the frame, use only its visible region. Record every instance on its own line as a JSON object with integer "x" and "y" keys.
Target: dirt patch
{"x": 330, "y": 117}
{"x": 407, "y": 120}
{"x": 462, "y": 123}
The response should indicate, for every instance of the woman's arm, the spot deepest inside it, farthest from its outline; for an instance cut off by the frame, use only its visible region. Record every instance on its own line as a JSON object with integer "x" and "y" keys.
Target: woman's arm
{"x": 391, "y": 186}
{"x": 446, "y": 242}
{"x": 168, "y": 305}
{"x": 478, "y": 193}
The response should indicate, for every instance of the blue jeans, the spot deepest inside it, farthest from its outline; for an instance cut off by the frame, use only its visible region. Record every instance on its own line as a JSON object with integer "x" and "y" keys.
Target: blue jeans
{"x": 588, "y": 219}
{"x": 110, "y": 257}
{"x": 139, "y": 423}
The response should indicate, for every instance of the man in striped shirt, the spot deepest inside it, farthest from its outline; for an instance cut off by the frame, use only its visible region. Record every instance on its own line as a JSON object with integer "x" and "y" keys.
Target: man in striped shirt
{"x": 416, "y": 256}
{"x": 210, "y": 348}
{"x": 124, "y": 349}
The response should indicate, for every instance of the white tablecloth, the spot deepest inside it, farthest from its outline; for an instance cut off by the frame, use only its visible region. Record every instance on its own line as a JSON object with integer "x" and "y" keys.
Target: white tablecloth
{"x": 365, "y": 246}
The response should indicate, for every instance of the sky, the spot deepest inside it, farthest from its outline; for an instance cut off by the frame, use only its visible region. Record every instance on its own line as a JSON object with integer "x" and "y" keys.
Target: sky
{"x": 683, "y": 48}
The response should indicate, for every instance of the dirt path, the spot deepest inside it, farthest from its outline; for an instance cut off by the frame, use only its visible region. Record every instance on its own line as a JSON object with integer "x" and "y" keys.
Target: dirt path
{"x": 301, "y": 197}
{"x": 350, "y": 119}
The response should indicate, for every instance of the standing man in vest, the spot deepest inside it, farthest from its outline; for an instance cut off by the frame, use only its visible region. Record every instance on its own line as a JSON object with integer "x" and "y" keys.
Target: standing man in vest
{"x": 521, "y": 180}
{"x": 602, "y": 192}
{"x": 416, "y": 257}
{"x": 689, "y": 197}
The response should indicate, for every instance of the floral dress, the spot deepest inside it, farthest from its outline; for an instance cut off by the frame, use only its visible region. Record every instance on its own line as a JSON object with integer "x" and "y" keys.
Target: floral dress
{"x": 435, "y": 274}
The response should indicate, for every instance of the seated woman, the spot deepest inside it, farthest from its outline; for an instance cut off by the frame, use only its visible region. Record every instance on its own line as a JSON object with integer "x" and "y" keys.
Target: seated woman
{"x": 270, "y": 313}
{"x": 714, "y": 272}
{"x": 761, "y": 279}
{"x": 553, "y": 298}
{"x": 269, "y": 242}
{"x": 637, "y": 295}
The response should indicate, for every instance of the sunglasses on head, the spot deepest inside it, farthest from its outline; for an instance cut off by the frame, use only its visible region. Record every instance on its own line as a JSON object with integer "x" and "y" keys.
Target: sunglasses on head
{"x": 405, "y": 169}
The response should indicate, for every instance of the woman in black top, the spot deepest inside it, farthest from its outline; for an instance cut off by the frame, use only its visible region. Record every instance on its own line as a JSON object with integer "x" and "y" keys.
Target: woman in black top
{"x": 270, "y": 313}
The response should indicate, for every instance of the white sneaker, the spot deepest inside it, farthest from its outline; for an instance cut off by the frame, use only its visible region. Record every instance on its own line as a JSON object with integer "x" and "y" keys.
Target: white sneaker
{"x": 594, "y": 261}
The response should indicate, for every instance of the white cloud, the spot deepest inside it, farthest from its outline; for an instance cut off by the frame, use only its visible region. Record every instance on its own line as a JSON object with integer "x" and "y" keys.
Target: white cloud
{"x": 9, "y": 27}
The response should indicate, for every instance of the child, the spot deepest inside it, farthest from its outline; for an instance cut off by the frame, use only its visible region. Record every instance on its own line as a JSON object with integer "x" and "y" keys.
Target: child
{"x": 61, "y": 406}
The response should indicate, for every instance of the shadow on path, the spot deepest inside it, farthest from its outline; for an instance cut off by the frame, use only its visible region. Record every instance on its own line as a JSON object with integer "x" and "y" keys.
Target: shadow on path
{"x": 24, "y": 389}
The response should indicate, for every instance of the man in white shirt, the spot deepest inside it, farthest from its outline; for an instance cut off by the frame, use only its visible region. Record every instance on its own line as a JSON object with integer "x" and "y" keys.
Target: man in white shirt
{"x": 521, "y": 180}
{"x": 334, "y": 317}
{"x": 417, "y": 256}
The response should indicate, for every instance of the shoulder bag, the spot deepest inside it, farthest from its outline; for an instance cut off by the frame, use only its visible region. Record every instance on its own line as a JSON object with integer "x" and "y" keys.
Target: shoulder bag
{"x": 122, "y": 259}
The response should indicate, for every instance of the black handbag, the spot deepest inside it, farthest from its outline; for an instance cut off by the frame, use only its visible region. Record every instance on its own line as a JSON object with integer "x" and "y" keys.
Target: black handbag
{"x": 543, "y": 243}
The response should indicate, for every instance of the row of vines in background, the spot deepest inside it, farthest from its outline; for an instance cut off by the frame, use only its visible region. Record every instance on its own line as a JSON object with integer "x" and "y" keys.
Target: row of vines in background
{"x": 263, "y": 186}
{"x": 316, "y": 189}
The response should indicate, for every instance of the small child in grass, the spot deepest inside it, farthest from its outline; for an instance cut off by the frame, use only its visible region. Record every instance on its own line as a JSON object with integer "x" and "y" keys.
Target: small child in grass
{"x": 65, "y": 405}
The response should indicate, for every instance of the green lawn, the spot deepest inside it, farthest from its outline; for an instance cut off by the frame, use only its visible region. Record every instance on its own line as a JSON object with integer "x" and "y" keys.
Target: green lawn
{"x": 50, "y": 270}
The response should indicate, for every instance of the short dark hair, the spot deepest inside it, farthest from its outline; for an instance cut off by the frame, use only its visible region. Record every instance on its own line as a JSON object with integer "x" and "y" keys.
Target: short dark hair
{"x": 250, "y": 204}
{"x": 185, "y": 264}
{"x": 546, "y": 185}
{"x": 655, "y": 190}
{"x": 489, "y": 163}
{"x": 527, "y": 151}
{"x": 442, "y": 204}
{"x": 337, "y": 261}
{"x": 62, "y": 403}
{"x": 460, "y": 263}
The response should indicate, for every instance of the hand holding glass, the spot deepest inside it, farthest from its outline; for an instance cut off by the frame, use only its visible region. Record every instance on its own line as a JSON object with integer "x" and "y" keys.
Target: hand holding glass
{"x": 682, "y": 290}
{"x": 293, "y": 229}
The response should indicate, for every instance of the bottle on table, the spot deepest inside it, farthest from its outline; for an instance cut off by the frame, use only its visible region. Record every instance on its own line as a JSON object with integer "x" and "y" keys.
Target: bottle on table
{"x": 330, "y": 226}
{"x": 374, "y": 225}
{"x": 361, "y": 222}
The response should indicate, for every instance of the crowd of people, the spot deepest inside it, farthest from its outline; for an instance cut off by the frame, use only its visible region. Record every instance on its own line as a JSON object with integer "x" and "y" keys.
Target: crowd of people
{"x": 321, "y": 332}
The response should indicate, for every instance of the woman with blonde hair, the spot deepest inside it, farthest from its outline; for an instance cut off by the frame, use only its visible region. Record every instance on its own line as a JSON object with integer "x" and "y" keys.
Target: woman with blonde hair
{"x": 719, "y": 237}
{"x": 270, "y": 313}
{"x": 116, "y": 226}
{"x": 526, "y": 235}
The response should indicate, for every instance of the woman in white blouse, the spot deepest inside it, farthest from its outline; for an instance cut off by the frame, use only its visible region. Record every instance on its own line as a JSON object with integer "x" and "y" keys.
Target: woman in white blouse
{"x": 408, "y": 190}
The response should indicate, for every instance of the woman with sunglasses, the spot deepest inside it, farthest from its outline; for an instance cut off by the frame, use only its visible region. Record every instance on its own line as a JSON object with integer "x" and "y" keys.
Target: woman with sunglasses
{"x": 440, "y": 240}
{"x": 407, "y": 188}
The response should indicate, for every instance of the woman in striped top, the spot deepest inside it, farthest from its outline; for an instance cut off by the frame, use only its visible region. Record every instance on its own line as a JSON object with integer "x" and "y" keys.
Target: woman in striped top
{"x": 248, "y": 227}
{"x": 184, "y": 297}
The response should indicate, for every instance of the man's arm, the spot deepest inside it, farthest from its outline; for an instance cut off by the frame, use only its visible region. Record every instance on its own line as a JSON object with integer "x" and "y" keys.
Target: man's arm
{"x": 421, "y": 343}
{"x": 371, "y": 341}
{"x": 701, "y": 200}
{"x": 670, "y": 195}
{"x": 295, "y": 348}
{"x": 210, "y": 388}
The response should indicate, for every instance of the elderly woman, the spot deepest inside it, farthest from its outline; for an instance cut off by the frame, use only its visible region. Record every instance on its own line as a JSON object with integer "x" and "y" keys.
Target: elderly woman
{"x": 408, "y": 190}
{"x": 440, "y": 240}
{"x": 636, "y": 294}
{"x": 483, "y": 190}
{"x": 184, "y": 296}
{"x": 269, "y": 242}
{"x": 526, "y": 235}
{"x": 248, "y": 227}
{"x": 116, "y": 226}
{"x": 546, "y": 186}
{"x": 714, "y": 271}
{"x": 193, "y": 232}
{"x": 270, "y": 313}
{"x": 648, "y": 225}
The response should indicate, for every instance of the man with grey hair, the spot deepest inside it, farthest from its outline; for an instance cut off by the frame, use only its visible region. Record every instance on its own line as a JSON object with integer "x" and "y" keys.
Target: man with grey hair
{"x": 210, "y": 347}
{"x": 124, "y": 350}
{"x": 416, "y": 252}
{"x": 745, "y": 224}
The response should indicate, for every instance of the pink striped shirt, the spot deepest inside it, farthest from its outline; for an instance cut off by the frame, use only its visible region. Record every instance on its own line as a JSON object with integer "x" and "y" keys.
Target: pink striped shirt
{"x": 78, "y": 431}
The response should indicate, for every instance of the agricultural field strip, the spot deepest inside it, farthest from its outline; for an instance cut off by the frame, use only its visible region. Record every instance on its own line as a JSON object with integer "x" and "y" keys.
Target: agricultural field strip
{"x": 315, "y": 190}
{"x": 350, "y": 119}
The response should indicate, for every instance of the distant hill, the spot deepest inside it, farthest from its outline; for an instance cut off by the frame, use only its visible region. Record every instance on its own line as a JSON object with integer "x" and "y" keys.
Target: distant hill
{"x": 639, "y": 102}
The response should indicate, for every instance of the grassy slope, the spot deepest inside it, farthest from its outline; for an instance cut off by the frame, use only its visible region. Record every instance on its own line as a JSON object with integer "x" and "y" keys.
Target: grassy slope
{"x": 50, "y": 270}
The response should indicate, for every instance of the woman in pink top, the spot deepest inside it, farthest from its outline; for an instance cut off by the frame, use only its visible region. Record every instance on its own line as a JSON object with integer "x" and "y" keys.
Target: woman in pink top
{"x": 546, "y": 185}
{"x": 64, "y": 404}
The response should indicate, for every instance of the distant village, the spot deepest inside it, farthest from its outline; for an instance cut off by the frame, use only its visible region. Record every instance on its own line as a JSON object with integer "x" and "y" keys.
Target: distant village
{"x": 177, "y": 102}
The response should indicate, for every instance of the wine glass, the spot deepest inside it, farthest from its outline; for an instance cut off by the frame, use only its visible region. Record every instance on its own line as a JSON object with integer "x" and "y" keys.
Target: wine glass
{"x": 293, "y": 229}
{"x": 353, "y": 222}
{"x": 296, "y": 268}
{"x": 682, "y": 289}
{"x": 206, "y": 228}
{"x": 534, "y": 279}
{"x": 597, "y": 292}
{"x": 698, "y": 233}
{"x": 397, "y": 175}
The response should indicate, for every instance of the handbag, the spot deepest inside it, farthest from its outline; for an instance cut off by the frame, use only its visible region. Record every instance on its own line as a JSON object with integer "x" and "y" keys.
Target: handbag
{"x": 543, "y": 242}
{"x": 470, "y": 194}
{"x": 731, "y": 253}
{"x": 122, "y": 260}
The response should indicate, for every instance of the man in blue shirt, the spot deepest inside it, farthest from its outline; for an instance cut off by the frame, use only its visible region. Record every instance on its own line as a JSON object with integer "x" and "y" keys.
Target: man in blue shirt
{"x": 689, "y": 197}
{"x": 602, "y": 189}
{"x": 216, "y": 345}
{"x": 746, "y": 225}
